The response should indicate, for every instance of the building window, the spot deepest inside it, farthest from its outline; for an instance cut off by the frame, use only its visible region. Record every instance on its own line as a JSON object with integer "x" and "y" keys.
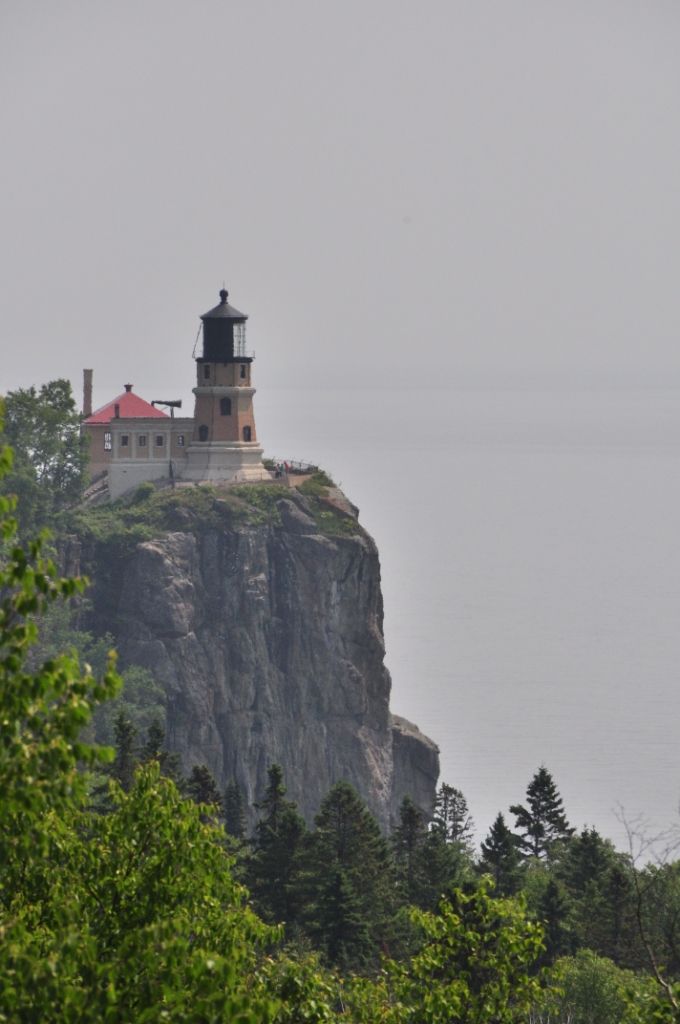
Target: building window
{"x": 247, "y": 432}
{"x": 141, "y": 440}
{"x": 202, "y": 433}
{"x": 180, "y": 440}
{"x": 107, "y": 442}
{"x": 243, "y": 371}
{"x": 206, "y": 371}
{"x": 160, "y": 440}
{"x": 225, "y": 406}
{"x": 124, "y": 440}
{"x": 239, "y": 339}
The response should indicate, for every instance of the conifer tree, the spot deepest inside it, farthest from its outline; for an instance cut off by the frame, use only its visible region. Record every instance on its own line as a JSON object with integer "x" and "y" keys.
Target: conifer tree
{"x": 347, "y": 840}
{"x": 234, "y": 815}
{"x": 273, "y": 871}
{"x": 408, "y": 842}
{"x": 202, "y": 788}
{"x": 155, "y": 750}
{"x": 500, "y": 858}
{"x": 598, "y": 880}
{"x": 553, "y": 913}
{"x": 543, "y": 823}
{"x": 427, "y": 865}
{"x": 341, "y": 920}
{"x": 452, "y": 816}
{"x": 126, "y": 757}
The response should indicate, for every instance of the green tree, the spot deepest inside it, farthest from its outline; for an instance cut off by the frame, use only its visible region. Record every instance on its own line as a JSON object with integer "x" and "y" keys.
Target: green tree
{"x": 408, "y": 843}
{"x": 154, "y": 749}
{"x": 554, "y": 914}
{"x": 598, "y": 879}
{"x": 50, "y": 459}
{"x": 274, "y": 868}
{"x": 452, "y": 816}
{"x": 475, "y": 965}
{"x": 543, "y": 823}
{"x": 500, "y": 858}
{"x": 234, "y": 815}
{"x": 126, "y": 752}
{"x": 142, "y": 921}
{"x": 42, "y": 712}
{"x": 307, "y": 992}
{"x": 589, "y": 989}
{"x": 202, "y": 788}
{"x": 141, "y": 700}
{"x": 427, "y": 865}
{"x": 340, "y": 920}
{"x": 348, "y": 860}
{"x": 659, "y": 885}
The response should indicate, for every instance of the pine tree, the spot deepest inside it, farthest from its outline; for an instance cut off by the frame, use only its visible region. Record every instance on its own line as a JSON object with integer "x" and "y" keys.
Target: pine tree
{"x": 234, "y": 815}
{"x": 155, "y": 750}
{"x": 202, "y": 788}
{"x": 427, "y": 865}
{"x": 500, "y": 858}
{"x": 553, "y": 913}
{"x": 408, "y": 841}
{"x": 347, "y": 840}
{"x": 273, "y": 871}
{"x": 543, "y": 824}
{"x": 597, "y": 878}
{"x": 342, "y": 922}
{"x": 126, "y": 758}
{"x": 452, "y": 816}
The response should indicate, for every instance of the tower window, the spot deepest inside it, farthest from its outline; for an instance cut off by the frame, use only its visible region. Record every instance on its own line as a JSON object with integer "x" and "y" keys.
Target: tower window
{"x": 206, "y": 371}
{"x": 202, "y": 433}
{"x": 225, "y": 406}
{"x": 124, "y": 440}
{"x": 107, "y": 442}
{"x": 160, "y": 440}
{"x": 247, "y": 434}
{"x": 141, "y": 440}
{"x": 239, "y": 339}
{"x": 243, "y": 371}
{"x": 180, "y": 440}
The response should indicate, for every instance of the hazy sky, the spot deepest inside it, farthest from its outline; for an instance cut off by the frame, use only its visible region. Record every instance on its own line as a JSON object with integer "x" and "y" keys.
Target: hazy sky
{"x": 444, "y": 189}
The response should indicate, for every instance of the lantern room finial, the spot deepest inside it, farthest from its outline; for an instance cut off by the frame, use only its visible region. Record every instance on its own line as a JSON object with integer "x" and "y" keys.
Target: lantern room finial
{"x": 224, "y": 295}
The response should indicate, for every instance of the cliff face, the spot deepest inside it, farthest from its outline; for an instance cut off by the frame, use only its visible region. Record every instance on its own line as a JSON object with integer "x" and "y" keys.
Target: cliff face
{"x": 267, "y": 637}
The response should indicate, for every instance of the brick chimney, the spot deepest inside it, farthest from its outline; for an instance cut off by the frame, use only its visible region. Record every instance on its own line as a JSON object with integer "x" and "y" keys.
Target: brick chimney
{"x": 87, "y": 393}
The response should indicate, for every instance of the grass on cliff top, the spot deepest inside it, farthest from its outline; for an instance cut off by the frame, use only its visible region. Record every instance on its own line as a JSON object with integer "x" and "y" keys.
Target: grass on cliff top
{"x": 123, "y": 524}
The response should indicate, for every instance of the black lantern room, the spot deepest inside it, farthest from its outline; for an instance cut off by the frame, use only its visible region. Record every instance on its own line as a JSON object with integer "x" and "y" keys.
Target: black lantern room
{"x": 224, "y": 334}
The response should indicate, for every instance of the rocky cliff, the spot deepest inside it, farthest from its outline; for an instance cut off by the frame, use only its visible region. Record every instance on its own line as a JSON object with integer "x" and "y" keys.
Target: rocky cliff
{"x": 260, "y": 611}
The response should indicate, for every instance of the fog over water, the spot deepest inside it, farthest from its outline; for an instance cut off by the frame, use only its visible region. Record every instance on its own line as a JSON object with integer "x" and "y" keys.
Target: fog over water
{"x": 531, "y": 575}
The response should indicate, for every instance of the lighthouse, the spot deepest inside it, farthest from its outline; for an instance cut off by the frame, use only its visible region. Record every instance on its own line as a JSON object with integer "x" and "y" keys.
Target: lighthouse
{"x": 224, "y": 442}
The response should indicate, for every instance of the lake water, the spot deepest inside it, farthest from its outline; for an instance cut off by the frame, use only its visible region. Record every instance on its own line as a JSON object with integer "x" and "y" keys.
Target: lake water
{"x": 531, "y": 576}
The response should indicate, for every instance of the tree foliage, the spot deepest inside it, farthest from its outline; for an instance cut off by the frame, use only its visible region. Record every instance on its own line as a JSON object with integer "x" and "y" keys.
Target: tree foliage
{"x": 349, "y": 880}
{"x": 542, "y": 823}
{"x": 274, "y": 868}
{"x": 43, "y": 711}
{"x": 500, "y": 857}
{"x": 452, "y": 816}
{"x": 49, "y": 462}
{"x": 474, "y": 965}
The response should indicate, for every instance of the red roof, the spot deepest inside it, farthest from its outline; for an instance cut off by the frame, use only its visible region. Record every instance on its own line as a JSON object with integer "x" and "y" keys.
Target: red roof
{"x": 129, "y": 406}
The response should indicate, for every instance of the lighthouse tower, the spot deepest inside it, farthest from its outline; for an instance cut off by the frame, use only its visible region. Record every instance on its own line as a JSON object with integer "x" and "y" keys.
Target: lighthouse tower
{"x": 224, "y": 442}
